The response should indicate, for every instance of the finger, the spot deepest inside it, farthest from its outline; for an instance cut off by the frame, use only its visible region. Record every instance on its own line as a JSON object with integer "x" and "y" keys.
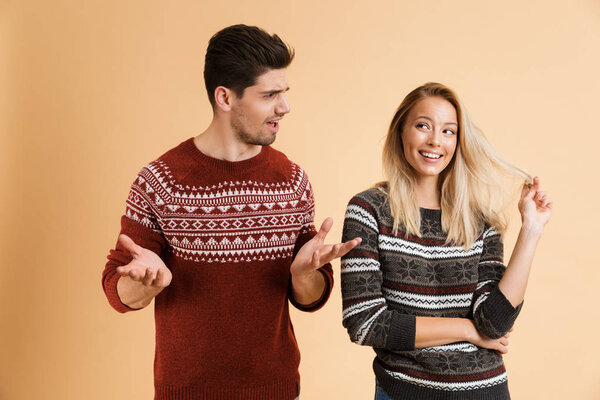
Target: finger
{"x": 346, "y": 247}
{"x": 135, "y": 275}
{"x": 501, "y": 348}
{"x": 123, "y": 270}
{"x": 148, "y": 277}
{"x": 160, "y": 278}
{"x": 333, "y": 253}
{"x": 349, "y": 245}
{"x": 530, "y": 192}
{"x": 525, "y": 188}
{"x": 325, "y": 228}
{"x": 129, "y": 245}
{"x": 536, "y": 184}
{"x": 548, "y": 203}
{"x": 316, "y": 259}
{"x": 540, "y": 196}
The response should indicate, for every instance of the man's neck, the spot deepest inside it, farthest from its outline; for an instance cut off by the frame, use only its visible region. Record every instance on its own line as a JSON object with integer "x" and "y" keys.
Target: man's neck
{"x": 220, "y": 142}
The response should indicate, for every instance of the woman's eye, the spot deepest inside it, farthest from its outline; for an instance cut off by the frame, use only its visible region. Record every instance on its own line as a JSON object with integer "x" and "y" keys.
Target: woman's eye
{"x": 422, "y": 126}
{"x": 449, "y": 132}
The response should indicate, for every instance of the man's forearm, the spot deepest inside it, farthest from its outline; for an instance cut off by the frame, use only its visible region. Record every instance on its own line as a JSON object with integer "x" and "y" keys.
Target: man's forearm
{"x": 308, "y": 289}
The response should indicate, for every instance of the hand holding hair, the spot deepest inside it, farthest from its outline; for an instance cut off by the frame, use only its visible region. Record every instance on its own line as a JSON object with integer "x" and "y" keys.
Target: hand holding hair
{"x": 535, "y": 205}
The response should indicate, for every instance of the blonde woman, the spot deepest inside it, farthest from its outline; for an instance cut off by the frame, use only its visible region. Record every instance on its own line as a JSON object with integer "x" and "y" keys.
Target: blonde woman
{"x": 427, "y": 287}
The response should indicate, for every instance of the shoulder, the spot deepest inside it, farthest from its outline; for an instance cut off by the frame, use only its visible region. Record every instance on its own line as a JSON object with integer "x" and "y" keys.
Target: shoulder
{"x": 282, "y": 169}
{"x": 278, "y": 160}
{"x": 176, "y": 162}
{"x": 370, "y": 199}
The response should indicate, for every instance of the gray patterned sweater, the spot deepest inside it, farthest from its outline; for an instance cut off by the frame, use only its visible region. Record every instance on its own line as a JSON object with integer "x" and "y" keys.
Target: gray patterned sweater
{"x": 389, "y": 279}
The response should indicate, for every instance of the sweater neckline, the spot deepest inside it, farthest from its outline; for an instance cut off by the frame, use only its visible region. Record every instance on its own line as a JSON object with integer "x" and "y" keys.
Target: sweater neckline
{"x": 224, "y": 165}
{"x": 430, "y": 213}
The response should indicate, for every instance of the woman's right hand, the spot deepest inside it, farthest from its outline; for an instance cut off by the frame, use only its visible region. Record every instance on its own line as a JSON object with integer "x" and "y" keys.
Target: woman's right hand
{"x": 500, "y": 344}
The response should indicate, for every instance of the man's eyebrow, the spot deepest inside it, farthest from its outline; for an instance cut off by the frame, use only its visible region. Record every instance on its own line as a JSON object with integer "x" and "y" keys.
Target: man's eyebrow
{"x": 275, "y": 91}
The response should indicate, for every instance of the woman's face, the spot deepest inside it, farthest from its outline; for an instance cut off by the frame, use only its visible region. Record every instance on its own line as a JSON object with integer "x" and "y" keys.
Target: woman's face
{"x": 429, "y": 136}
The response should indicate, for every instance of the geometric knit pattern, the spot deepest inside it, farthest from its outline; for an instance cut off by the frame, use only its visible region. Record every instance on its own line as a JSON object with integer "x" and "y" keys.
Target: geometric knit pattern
{"x": 389, "y": 279}
{"x": 226, "y": 222}
{"x": 228, "y": 232}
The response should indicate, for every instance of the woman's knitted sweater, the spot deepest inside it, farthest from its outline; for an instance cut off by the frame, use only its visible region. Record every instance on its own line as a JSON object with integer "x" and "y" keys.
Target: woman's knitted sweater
{"x": 389, "y": 279}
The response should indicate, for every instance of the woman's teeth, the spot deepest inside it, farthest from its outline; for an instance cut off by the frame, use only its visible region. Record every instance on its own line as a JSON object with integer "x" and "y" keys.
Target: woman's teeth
{"x": 429, "y": 155}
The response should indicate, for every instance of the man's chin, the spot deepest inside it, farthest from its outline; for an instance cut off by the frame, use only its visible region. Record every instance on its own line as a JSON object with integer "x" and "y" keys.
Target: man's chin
{"x": 263, "y": 141}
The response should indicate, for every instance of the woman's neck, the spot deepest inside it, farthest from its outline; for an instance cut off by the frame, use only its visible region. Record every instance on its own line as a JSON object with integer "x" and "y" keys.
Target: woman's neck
{"x": 427, "y": 192}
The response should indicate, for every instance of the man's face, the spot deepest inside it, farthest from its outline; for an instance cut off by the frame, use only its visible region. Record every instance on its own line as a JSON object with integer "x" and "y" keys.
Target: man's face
{"x": 255, "y": 116}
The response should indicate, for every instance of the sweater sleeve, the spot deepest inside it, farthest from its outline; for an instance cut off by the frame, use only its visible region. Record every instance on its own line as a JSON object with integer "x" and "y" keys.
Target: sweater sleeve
{"x": 366, "y": 315}
{"x": 493, "y": 314}
{"x": 140, "y": 223}
{"x": 307, "y": 232}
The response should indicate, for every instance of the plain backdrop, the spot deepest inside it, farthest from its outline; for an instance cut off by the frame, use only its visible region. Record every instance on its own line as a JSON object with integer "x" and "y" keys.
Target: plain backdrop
{"x": 92, "y": 90}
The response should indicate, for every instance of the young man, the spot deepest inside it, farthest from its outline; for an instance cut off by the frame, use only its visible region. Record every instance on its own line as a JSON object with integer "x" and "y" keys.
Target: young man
{"x": 219, "y": 231}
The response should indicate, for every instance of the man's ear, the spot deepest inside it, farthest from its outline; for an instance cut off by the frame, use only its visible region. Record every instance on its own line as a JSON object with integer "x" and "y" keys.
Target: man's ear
{"x": 223, "y": 98}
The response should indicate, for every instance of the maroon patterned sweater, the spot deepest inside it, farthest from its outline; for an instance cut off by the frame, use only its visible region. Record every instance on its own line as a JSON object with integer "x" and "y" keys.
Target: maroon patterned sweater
{"x": 228, "y": 231}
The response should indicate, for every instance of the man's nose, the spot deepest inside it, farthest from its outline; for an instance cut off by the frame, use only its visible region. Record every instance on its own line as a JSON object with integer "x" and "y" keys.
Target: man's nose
{"x": 282, "y": 106}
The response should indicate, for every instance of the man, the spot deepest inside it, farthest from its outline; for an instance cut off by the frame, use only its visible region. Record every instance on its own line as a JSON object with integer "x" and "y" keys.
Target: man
{"x": 219, "y": 231}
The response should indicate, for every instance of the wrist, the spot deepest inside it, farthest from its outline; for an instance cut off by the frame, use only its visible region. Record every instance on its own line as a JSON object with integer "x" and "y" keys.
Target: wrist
{"x": 469, "y": 330}
{"x": 532, "y": 228}
{"x": 304, "y": 278}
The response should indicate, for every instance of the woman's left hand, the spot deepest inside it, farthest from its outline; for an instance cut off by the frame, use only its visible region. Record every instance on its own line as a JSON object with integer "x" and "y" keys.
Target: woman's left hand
{"x": 535, "y": 206}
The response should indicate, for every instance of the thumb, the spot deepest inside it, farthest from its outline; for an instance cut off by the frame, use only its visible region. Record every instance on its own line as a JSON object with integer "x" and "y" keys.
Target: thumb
{"x": 325, "y": 228}
{"x": 130, "y": 245}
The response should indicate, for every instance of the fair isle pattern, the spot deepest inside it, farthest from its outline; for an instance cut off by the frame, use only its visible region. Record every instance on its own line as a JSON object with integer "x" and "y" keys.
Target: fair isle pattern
{"x": 232, "y": 221}
{"x": 390, "y": 278}
{"x": 432, "y": 382}
{"x": 461, "y": 346}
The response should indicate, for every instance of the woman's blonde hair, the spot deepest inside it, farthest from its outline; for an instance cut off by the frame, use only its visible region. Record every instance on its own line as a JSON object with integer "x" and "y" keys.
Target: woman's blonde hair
{"x": 471, "y": 186}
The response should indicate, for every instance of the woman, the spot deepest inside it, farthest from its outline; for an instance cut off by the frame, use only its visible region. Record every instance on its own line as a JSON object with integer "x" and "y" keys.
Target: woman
{"x": 427, "y": 287}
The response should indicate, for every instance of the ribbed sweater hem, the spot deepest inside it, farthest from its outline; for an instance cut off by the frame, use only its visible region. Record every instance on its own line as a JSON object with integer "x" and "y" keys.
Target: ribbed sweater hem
{"x": 402, "y": 390}
{"x": 287, "y": 390}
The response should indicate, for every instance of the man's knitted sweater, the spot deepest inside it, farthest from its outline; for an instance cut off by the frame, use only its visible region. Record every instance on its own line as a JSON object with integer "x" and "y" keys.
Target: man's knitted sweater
{"x": 389, "y": 279}
{"x": 228, "y": 232}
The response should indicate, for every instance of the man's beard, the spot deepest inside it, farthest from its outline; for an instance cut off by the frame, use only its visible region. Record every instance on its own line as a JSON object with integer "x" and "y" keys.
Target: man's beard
{"x": 257, "y": 140}
{"x": 244, "y": 136}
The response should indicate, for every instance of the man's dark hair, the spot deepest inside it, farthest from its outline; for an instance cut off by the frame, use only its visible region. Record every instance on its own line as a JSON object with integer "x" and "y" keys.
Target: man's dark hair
{"x": 237, "y": 55}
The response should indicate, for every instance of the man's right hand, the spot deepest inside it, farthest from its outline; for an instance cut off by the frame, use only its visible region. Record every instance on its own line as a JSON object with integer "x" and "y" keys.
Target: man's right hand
{"x": 148, "y": 275}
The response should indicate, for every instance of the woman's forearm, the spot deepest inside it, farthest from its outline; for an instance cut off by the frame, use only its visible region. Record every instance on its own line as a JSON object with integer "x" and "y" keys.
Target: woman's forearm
{"x": 437, "y": 331}
{"x": 514, "y": 282}
{"x": 434, "y": 331}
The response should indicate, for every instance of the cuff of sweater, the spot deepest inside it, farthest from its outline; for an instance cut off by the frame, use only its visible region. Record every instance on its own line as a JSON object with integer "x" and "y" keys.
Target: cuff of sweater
{"x": 500, "y": 311}
{"x": 401, "y": 336}
{"x": 320, "y": 302}
{"x": 110, "y": 288}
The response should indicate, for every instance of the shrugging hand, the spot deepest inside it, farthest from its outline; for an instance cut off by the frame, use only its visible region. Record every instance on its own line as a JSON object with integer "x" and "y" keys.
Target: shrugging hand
{"x": 146, "y": 267}
{"x": 535, "y": 206}
{"x": 314, "y": 254}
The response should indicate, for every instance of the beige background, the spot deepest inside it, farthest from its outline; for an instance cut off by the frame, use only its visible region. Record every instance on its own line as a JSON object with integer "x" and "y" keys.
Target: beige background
{"x": 92, "y": 90}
